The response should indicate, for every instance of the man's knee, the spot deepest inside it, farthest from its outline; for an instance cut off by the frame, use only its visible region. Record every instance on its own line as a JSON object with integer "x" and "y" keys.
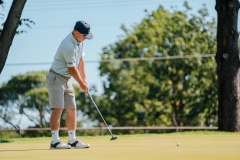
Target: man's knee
{"x": 71, "y": 111}
{"x": 57, "y": 111}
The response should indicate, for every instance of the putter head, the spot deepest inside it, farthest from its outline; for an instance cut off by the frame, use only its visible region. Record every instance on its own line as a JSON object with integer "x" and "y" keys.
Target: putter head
{"x": 113, "y": 139}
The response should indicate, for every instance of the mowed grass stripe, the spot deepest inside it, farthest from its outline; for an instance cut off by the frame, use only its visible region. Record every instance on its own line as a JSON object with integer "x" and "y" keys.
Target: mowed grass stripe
{"x": 149, "y": 146}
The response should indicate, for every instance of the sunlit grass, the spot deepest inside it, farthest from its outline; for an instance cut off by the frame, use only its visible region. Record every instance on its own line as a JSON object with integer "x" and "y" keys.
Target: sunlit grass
{"x": 193, "y": 145}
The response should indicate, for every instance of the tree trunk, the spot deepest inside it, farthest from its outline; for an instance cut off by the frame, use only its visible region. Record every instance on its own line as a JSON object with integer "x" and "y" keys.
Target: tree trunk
{"x": 227, "y": 58}
{"x": 9, "y": 30}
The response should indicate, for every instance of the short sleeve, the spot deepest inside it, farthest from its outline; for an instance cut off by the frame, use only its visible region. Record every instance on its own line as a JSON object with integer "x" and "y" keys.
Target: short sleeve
{"x": 69, "y": 55}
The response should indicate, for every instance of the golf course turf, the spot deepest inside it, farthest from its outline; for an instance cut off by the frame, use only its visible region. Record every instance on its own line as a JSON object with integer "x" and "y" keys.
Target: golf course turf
{"x": 192, "y": 146}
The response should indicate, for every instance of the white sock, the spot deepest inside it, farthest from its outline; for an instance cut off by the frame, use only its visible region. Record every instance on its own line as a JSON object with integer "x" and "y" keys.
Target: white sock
{"x": 55, "y": 135}
{"x": 71, "y": 135}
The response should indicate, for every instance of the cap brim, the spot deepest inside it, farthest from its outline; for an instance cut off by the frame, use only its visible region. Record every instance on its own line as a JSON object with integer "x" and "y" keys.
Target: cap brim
{"x": 89, "y": 36}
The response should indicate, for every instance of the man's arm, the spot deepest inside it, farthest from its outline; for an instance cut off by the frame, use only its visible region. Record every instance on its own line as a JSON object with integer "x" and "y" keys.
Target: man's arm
{"x": 81, "y": 69}
{"x": 76, "y": 75}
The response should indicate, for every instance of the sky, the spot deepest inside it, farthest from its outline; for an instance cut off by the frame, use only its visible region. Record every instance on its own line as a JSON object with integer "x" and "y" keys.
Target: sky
{"x": 55, "y": 19}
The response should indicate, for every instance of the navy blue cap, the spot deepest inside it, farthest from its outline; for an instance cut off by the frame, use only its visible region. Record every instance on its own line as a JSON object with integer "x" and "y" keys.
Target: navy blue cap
{"x": 84, "y": 28}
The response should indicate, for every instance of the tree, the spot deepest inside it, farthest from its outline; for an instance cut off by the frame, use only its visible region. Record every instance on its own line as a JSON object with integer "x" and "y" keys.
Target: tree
{"x": 85, "y": 106}
{"x": 25, "y": 96}
{"x": 228, "y": 71}
{"x": 36, "y": 101}
{"x": 10, "y": 29}
{"x": 170, "y": 92}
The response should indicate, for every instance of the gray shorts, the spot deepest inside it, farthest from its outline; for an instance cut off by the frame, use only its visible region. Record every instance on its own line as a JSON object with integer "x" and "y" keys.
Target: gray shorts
{"x": 60, "y": 91}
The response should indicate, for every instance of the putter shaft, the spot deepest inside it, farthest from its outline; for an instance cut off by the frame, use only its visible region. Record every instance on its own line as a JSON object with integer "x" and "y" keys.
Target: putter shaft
{"x": 99, "y": 113}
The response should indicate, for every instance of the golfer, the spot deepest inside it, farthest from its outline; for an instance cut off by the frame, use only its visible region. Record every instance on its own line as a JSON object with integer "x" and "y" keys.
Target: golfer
{"x": 68, "y": 62}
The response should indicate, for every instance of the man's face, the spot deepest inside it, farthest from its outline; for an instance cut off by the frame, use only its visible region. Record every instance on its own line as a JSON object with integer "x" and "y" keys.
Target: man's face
{"x": 79, "y": 36}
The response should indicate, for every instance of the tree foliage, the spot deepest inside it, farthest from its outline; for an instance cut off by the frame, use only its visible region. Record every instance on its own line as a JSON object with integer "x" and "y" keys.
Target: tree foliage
{"x": 22, "y": 22}
{"x": 138, "y": 93}
{"x": 10, "y": 28}
{"x": 23, "y": 96}
{"x": 168, "y": 92}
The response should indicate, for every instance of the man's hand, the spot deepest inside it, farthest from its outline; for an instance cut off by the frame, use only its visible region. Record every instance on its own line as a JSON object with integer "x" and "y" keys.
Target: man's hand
{"x": 84, "y": 87}
{"x": 76, "y": 75}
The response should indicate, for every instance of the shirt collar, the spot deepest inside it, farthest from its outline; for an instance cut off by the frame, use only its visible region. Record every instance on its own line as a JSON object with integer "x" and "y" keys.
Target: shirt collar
{"x": 75, "y": 42}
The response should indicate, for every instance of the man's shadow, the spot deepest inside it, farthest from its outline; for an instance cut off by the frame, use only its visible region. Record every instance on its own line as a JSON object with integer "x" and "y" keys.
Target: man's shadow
{"x": 20, "y": 150}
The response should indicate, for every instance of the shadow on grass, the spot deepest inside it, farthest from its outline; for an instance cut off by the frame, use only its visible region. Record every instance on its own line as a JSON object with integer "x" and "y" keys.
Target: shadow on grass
{"x": 14, "y": 150}
{"x": 4, "y": 141}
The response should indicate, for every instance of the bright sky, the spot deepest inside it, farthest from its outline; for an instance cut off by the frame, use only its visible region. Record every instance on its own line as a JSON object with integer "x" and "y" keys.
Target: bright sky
{"x": 55, "y": 19}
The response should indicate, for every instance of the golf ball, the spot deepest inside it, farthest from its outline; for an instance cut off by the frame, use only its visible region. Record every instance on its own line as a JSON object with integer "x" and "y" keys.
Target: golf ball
{"x": 178, "y": 144}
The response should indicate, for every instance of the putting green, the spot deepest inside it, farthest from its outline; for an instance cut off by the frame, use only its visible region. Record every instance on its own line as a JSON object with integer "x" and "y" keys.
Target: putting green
{"x": 200, "y": 145}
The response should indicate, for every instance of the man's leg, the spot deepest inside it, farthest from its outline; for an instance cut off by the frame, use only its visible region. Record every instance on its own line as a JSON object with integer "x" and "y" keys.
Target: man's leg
{"x": 71, "y": 121}
{"x": 70, "y": 106}
{"x": 55, "y": 118}
{"x": 55, "y": 123}
{"x": 72, "y": 124}
{"x": 56, "y": 102}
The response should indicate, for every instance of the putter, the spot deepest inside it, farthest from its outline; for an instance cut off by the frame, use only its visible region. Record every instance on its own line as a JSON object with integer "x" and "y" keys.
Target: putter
{"x": 113, "y": 138}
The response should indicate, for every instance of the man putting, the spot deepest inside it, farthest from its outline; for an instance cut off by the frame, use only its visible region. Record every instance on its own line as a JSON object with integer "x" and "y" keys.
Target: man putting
{"x": 68, "y": 61}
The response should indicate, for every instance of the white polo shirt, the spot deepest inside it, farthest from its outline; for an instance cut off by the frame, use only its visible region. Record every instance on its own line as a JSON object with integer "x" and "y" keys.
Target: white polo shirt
{"x": 68, "y": 55}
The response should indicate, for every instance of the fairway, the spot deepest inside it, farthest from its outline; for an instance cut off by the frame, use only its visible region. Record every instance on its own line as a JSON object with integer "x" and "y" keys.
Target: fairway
{"x": 193, "y": 145}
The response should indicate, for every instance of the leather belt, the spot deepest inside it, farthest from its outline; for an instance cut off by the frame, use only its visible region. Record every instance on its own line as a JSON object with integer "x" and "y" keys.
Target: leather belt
{"x": 59, "y": 74}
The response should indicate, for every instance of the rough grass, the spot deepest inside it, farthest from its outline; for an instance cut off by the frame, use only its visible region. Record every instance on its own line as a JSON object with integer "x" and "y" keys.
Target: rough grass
{"x": 193, "y": 145}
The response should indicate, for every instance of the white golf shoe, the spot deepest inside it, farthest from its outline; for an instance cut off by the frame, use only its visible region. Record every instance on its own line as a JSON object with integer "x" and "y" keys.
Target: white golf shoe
{"x": 77, "y": 144}
{"x": 59, "y": 145}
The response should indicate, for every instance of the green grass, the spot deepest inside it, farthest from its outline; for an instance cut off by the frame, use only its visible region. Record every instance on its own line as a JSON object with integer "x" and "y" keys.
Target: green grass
{"x": 193, "y": 146}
